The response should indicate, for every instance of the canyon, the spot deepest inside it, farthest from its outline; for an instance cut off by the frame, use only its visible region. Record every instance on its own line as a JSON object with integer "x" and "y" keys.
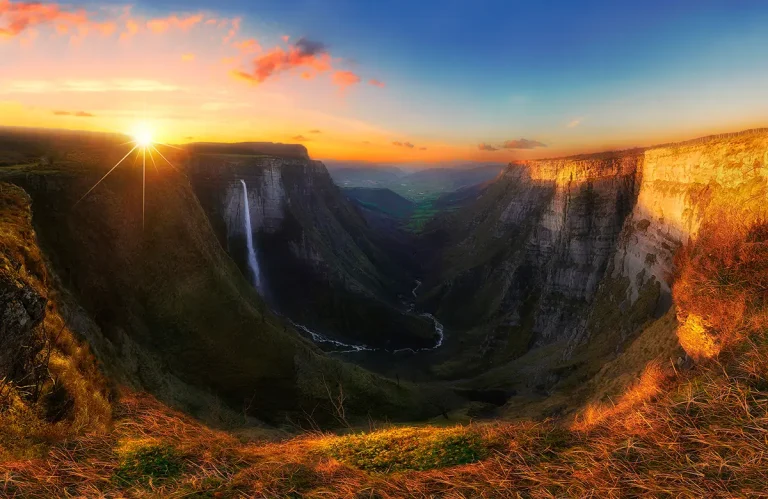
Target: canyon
{"x": 540, "y": 280}
{"x": 551, "y": 325}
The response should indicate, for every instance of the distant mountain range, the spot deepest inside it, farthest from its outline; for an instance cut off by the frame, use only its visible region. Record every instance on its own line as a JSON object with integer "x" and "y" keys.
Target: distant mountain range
{"x": 423, "y": 184}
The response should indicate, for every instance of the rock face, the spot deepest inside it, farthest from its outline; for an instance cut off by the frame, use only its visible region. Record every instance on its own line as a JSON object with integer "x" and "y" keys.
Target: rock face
{"x": 22, "y": 309}
{"x": 543, "y": 241}
{"x": 319, "y": 263}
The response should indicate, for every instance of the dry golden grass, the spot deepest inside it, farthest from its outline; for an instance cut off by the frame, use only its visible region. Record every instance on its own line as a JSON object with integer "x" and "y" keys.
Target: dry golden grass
{"x": 72, "y": 373}
{"x": 705, "y": 435}
{"x": 695, "y": 432}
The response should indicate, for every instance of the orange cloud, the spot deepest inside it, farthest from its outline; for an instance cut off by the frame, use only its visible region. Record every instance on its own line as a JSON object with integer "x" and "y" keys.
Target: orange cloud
{"x": 232, "y": 31}
{"x": 403, "y": 144}
{"x": 243, "y": 76}
{"x": 345, "y": 79}
{"x": 131, "y": 28}
{"x": 523, "y": 144}
{"x": 300, "y": 138}
{"x": 376, "y": 83}
{"x": 79, "y": 114}
{"x": 161, "y": 25}
{"x": 247, "y": 46}
{"x": 17, "y": 17}
{"x": 486, "y": 147}
{"x": 304, "y": 53}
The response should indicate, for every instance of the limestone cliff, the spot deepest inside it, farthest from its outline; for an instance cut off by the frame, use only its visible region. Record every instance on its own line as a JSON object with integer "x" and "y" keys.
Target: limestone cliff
{"x": 553, "y": 245}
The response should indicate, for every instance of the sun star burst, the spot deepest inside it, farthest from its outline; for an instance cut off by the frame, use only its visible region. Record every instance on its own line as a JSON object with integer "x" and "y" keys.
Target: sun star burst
{"x": 143, "y": 143}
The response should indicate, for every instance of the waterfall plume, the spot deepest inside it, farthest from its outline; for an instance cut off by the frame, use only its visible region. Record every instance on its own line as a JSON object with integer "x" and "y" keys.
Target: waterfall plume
{"x": 253, "y": 262}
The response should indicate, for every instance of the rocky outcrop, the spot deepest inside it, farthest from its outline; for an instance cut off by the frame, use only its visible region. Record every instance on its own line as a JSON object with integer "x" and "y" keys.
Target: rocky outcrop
{"x": 22, "y": 310}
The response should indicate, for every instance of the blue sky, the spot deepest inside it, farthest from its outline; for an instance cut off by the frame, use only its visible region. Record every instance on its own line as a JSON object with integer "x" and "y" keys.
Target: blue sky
{"x": 573, "y": 75}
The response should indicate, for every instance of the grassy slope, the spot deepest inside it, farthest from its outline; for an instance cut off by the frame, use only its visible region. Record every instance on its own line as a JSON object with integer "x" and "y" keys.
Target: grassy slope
{"x": 676, "y": 429}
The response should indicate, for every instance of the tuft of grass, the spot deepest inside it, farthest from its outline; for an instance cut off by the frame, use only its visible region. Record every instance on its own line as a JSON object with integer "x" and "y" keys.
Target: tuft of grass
{"x": 411, "y": 448}
{"x": 149, "y": 464}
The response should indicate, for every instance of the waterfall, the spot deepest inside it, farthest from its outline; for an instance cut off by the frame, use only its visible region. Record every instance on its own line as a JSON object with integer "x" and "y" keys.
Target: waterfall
{"x": 253, "y": 263}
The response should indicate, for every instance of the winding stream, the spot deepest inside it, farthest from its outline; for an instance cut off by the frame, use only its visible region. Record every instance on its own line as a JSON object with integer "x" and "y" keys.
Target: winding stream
{"x": 320, "y": 338}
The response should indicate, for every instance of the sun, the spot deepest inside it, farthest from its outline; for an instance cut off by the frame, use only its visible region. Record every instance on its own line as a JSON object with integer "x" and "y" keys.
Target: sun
{"x": 142, "y": 136}
{"x": 144, "y": 145}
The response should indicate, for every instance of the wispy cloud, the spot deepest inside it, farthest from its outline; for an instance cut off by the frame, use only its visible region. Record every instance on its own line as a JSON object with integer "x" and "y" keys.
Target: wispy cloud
{"x": 224, "y": 106}
{"x": 234, "y": 29}
{"x": 116, "y": 85}
{"x": 300, "y": 138}
{"x": 486, "y": 147}
{"x": 574, "y": 123}
{"x": 310, "y": 56}
{"x": 376, "y": 83}
{"x": 304, "y": 53}
{"x": 78, "y": 114}
{"x": 522, "y": 144}
{"x": 403, "y": 144}
{"x": 17, "y": 17}
{"x": 345, "y": 79}
{"x": 248, "y": 46}
{"x": 315, "y": 131}
{"x": 163, "y": 24}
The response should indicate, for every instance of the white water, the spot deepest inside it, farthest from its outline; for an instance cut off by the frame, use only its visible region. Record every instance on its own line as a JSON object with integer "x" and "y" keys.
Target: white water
{"x": 413, "y": 291}
{"x": 319, "y": 338}
{"x": 253, "y": 262}
{"x": 349, "y": 348}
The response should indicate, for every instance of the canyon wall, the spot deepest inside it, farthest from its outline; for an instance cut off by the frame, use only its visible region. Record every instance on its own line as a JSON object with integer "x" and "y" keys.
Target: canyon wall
{"x": 321, "y": 266}
{"x": 560, "y": 251}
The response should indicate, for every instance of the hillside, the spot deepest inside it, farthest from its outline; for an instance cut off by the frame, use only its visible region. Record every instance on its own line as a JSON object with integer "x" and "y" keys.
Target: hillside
{"x": 385, "y": 201}
{"x": 163, "y": 306}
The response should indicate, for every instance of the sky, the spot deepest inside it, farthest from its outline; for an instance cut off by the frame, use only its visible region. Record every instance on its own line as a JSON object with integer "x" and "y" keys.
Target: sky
{"x": 391, "y": 81}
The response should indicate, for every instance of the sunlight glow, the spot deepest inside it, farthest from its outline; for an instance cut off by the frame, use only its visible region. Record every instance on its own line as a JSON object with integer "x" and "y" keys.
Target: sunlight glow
{"x": 143, "y": 143}
{"x": 142, "y": 135}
